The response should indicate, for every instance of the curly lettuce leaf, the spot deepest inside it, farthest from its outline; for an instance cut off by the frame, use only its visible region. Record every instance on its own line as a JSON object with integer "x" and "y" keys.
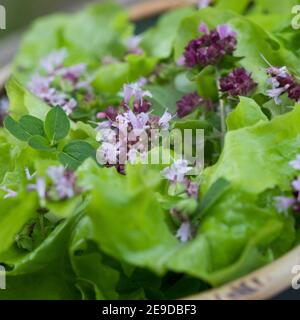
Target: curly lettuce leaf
{"x": 257, "y": 158}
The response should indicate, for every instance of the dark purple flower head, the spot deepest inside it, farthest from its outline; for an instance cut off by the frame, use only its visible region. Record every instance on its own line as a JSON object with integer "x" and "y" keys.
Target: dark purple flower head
{"x": 237, "y": 83}
{"x": 294, "y": 93}
{"x": 109, "y": 113}
{"x": 187, "y": 104}
{"x": 212, "y": 47}
{"x": 143, "y": 106}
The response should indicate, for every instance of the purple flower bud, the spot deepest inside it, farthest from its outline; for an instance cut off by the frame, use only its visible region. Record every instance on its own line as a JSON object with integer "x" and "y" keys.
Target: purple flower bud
{"x": 211, "y": 48}
{"x": 203, "y": 28}
{"x": 187, "y": 104}
{"x": 164, "y": 121}
{"x": 181, "y": 61}
{"x": 111, "y": 113}
{"x": 225, "y": 31}
{"x": 192, "y": 189}
{"x": 237, "y": 83}
{"x": 139, "y": 107}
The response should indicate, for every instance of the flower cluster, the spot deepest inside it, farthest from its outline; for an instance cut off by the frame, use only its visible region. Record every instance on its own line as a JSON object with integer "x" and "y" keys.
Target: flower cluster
{"x": 176, "y": 174}
{"x": 58, "y": 85}
{"x": 62, "y": 186}
{"x": 282, "y": 82}
{"x": 189, "y": 103}
{"x": 210, "y": 48}
{"x": 284, "y": 203}
{"x": 237, "y": 83}
{"x": 125, "y": 132}
{"x": 3, "y": 110}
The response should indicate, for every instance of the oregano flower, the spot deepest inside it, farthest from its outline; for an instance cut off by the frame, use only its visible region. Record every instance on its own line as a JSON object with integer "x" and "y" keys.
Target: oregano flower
{"x": 237, "y": 83}
{"x": 189, "y": 103}
{"x": 58, "y": 85}
{"x": 211, "y": 47}
{"x": 282, "y": 82}
{"x": 125, "y": 132}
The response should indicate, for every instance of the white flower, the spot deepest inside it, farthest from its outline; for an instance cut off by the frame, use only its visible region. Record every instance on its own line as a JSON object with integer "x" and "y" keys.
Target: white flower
{"x": 132, "y": 155}
{"x": 55, "y": 173}
{"x": 133, "y": 45}
{"x": 108, "y": 153}
{"x": 106, "y": 135}
{"x": 4, "y": 105}
{"x": 177, "y": 171}
{"x": 29, "y": 176}
{"x": 164, "y": 120}
{"x": 296, "y": 185}
{"x": 64, "y": 181}
{"x": 69, "y": 106}
{"x": 53, "y": 60}
{"x": 203, "y": 3}
{"x": 275, "y": 94}
{"x": 134, "y": 90}
{"x": 9, "y": 193}
{"x": 295, "y": 163}
{"x": 184, "y": 233}
{"x": 283, "y": 203}
{"x": 40, "y": 86}
{"x": 139, "y": 121}
{"x": 39, "y": 187}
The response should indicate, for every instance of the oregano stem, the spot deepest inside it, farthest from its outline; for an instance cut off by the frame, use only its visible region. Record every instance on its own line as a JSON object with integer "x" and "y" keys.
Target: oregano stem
{"x": 221, "y": 108}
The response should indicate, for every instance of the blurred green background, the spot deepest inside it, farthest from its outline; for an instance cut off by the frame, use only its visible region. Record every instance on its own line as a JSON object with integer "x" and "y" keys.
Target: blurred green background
{"x": 20, "y": 13}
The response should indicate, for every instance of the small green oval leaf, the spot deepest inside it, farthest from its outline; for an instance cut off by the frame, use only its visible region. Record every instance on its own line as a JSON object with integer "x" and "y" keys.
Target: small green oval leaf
{"x": 16, "y": 129}
{"x": 57, "y": 124}
{"x": 75, "y": 153}
{"x": 32, "y": 125}
{"x": 40, "y": 143}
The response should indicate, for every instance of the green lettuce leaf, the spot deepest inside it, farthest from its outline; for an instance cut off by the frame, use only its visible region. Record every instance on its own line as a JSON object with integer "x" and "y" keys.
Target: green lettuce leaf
{"x": 257, "y": 158}
{"x": 247, "y": 113}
